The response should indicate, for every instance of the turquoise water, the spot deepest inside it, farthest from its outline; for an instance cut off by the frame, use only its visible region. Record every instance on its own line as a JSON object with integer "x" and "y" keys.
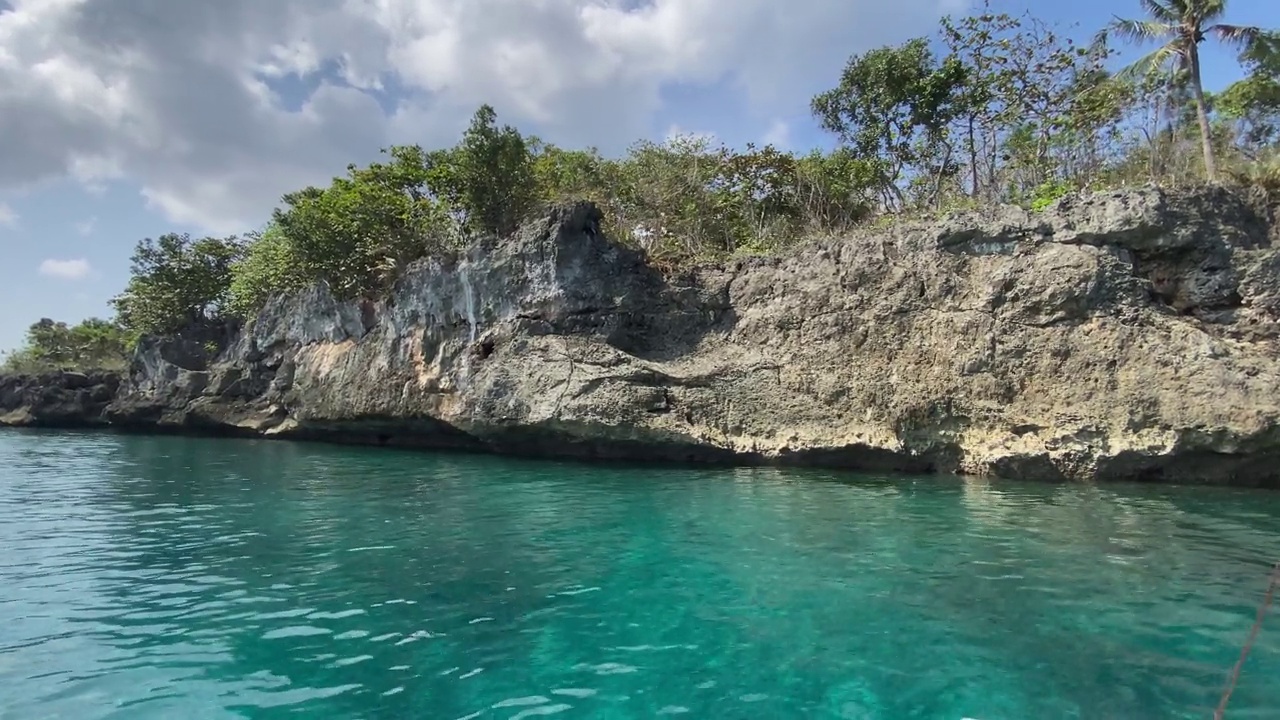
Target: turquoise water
{"x": 182, "y": 578}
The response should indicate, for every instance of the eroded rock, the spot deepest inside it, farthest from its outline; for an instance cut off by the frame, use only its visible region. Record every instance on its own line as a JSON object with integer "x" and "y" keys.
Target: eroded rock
{"x": 1124, "y": 335}
{"x": 57, "y": 399}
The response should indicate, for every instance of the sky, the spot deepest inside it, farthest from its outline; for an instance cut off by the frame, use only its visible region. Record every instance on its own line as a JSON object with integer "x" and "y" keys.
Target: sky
{"x": 127, "y": 119}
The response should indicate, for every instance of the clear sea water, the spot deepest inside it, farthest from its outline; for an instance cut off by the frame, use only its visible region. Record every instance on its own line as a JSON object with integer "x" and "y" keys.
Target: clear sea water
{"x": 160, "y": 577}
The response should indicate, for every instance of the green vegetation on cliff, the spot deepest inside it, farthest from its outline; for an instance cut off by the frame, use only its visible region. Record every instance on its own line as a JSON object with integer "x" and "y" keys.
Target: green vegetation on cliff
{"x": 995, "y": 108}
{"x": 176, "y": 282}
{"x": 94, "y": 344}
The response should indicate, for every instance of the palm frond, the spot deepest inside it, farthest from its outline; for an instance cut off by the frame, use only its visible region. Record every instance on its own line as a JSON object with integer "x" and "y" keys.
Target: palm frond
{"x": 1160, "y": 11}
{"x": 1181, "y": 9}
{"x": 1140, "y": 31}
{"x": 1152, "y": 62}
{"x": 1099, "y": 43}
{"x": 1238, "y": 35}
{"x": 1203, "y": 11}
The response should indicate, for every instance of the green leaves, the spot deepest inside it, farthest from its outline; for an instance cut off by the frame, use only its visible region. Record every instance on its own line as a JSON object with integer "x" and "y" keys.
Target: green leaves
{"x": 94, "y": 344}
{"x": 561, "y": 175}
{"x": 493, "y": 177}
{"x": 355, "y": 234}
{"x": 271, "y": 266}
{"x": 685, "y": 200}
{"x": 1022, "y": 116}
{"x": 893, "y": 105}
{"x": 176, "y": 281}
{"x": 360, "y": 232}
{"x": 1252, "y": 105}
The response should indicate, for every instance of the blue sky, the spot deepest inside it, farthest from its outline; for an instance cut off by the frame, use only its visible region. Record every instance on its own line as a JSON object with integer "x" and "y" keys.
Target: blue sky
{"x": 125, "y": 119}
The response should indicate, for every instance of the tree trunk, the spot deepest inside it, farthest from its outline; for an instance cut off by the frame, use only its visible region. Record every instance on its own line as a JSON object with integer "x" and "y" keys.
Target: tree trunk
{"x": 973, "y": 157}
{"x": 1202, "y": 112}
{"x": 941, "y": 175}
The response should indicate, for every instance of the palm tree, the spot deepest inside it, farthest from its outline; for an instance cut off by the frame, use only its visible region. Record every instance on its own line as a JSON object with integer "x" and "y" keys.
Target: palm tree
{"x": 1182, "y": 25}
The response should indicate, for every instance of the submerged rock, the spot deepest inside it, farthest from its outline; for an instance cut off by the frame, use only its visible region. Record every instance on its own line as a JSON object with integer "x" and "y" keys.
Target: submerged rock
{"x": 1122, "y": 335}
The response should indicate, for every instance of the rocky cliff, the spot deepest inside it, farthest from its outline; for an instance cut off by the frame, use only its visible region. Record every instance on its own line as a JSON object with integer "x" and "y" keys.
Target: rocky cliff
{"x": 1128, "y": 334}
{"x": 58, "y": 399}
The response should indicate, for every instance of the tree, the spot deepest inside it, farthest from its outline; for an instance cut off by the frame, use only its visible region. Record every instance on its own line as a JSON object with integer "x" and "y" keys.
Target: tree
{"x": 488, "y": 179}
{"x": 1030, "y": 111}
{"x": 1253, "y": 103}
{"x": 665, "y": 203}
{"x": 893, "y": 105}
{"x": 561, "y": 175}
{"x": 980, "y": 43}
{"x": 359, "y": 232}
{"x": 835, "y": 190}
{"x": 93, "y": 344}
{"x": 270, "y": 266}
{"x": 98, "y": 343}
{"x": 176, "y": 282}
{"x": 1182, "y": 25}
{"x": 1090, "y": 137}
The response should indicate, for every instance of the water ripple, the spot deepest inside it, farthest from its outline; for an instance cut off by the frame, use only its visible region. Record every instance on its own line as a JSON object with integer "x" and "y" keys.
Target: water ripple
{"x": 168, "y": 577}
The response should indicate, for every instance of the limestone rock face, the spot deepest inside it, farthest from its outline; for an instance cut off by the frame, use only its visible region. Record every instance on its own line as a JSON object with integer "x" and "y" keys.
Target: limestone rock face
{"x": 1122, "y": 335}
{"x": 58, "y": 399}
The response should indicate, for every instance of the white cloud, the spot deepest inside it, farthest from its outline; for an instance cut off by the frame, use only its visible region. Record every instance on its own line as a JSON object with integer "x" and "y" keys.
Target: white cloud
{"x": 75, "y": 269}
{"x": 778, "y": 135}
{"x": 176, "y": 94}
{"x": 7, "y": 215}
{"x": 85, "y": 227}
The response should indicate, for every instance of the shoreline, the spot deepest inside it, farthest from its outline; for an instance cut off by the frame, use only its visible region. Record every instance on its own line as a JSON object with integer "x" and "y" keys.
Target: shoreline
{"x": 629, "y": 455}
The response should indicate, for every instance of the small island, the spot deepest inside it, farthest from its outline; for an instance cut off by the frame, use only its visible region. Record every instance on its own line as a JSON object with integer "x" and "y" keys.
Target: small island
{"x": 1016, "y": 263}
